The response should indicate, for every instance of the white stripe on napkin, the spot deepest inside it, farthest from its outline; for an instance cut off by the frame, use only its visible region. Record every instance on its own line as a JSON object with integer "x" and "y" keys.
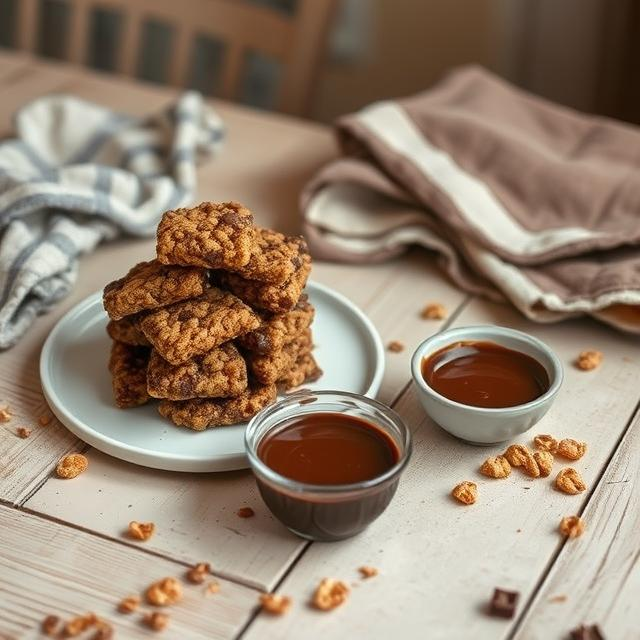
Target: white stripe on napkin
{"x": 475, "y": 202}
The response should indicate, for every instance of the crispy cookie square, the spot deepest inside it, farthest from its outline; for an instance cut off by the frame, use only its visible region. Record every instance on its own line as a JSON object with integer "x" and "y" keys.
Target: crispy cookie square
{"x": 221, "y": 372}
{"x": 150, "y": 285}
{"x": 126, "y": 330}
{"x": 304, "y": 370}
{"x": 203, "y": 413}
{"x": 275, "y": 257}
{"x": 213, "y": 235}
{"x": 191, "y": 328}
{"x": 274, "y": 298}
{"x": 278, "y": 329}
{"x": 128, "y": 367}
{"x": 268, "y": 368}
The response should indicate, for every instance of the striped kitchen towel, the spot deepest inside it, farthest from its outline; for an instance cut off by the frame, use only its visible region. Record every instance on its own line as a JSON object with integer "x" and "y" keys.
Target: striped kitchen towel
{"x": 520, "y": 198}
{"x": 77, "y": 174}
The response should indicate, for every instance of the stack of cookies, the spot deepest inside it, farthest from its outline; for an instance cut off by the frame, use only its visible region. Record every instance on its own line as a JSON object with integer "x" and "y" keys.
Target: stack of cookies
{"x": 217, "y": 323}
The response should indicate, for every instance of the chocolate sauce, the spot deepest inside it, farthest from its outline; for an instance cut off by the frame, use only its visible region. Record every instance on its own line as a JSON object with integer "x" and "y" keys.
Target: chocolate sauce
{"x": 328, "y": 449}
{"x": 485, "y": 374}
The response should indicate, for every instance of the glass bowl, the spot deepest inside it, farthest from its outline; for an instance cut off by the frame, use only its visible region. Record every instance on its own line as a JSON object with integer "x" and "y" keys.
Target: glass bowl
{"x": 326, "y": 512}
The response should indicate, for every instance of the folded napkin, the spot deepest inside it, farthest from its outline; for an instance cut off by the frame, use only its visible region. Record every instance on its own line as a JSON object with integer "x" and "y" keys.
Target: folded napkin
{"x": 521, "y": 198}
{"x": 77, "y": 174}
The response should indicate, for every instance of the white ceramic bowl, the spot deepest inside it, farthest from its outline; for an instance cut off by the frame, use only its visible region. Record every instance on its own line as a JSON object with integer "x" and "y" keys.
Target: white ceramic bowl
{"x": 479, "y": 425}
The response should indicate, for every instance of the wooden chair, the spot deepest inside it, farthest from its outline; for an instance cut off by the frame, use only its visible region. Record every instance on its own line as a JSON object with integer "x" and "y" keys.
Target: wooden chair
{"x": 295, "y": 41}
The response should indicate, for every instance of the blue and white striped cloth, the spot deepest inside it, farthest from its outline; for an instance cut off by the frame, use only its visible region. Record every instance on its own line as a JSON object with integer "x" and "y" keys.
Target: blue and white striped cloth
{"x": 78, "y": 174}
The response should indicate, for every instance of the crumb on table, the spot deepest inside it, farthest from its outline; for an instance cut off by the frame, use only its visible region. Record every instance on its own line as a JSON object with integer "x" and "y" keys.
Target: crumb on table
{"x": 274, "y": 603}
{"x": 212, "y": 587}
{"x": 330, "y": 594}
{"x": 434, "y": 311}
{"x": 569, "y": 481}
{"x": 71, "y": 466}
{"x": 141, "y": 530}
{"x": 571, "y": 449}
{"x": 198, "y": 573}
{"x": 367, "y": 571}
{"x": 164, "y": 592}
{"x": 156, "y": 620}
{"x": 558, "y": 599}
{"x": 465, "y": 492}
{"x": 129, "y": 604}
{"x": 571, "y": 526}
{"x": 588, "y": 360}
{"x": 49, "y": 625}
{"x": 395, "y": 346}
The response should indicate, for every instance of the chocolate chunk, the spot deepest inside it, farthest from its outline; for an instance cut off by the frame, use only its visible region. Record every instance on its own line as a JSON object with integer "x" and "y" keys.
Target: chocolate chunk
{"x": 587, "y": 632}
{"x": 504, "y": 603}
{"x": 234, "y": 219}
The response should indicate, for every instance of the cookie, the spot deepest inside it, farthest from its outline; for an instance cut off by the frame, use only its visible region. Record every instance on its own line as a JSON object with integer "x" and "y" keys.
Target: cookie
{"x": 203, "y": 413}
{"x": 221, "y": 372}
{"x": 268, "y": 368}
{"x": 275, "y": 257}
{"x": 150, "y": 285}
{"x": 128, "y": 367}
{"x": 305, "y": 369}
{"x": 275, "y": 298}
{"x": 126, "y": 330}
{"x": 213, "y": 235}
{"x": 278, "y": 329}
{"x": 191, "y": 328}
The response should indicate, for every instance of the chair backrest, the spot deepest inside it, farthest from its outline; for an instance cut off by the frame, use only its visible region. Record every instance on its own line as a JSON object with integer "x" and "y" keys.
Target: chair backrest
{"x": 296, "y": 41}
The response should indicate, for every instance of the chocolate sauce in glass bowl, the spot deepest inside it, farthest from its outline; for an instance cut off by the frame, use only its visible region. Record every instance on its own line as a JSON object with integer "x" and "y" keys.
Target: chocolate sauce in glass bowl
{"x": 328, "y": 448}
{"x": 331, "y": 473}
{"x": 485, "y": 374}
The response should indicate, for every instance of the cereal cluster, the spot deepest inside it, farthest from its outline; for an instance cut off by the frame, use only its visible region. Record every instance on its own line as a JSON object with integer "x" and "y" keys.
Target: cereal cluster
{"x": 53, "y": 626}
{"x": 164, "y": 592}
{"x": 535, "y": 464}
{"x": 434, "y": 311}
{"x": 589, "y": 360}
{"x": 571, "y": 526}
{"x": 465, "y": 492}
{"x": 168, "y": 592}
{"x": 217, "y": 323}
{"x": 71, "y": 466}
{"x": 141, "y": 530}
{"x": 275, "y": 604}
{"x": 330, "y": 594}
{"x": 198, "y": 573}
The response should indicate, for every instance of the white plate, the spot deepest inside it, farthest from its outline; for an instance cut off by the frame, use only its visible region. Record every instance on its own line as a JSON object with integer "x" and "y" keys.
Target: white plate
{"x": 77, "y": 386}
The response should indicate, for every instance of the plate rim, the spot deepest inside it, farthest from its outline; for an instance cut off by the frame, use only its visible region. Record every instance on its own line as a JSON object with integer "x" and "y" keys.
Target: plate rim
{"x": 176, "y": 461}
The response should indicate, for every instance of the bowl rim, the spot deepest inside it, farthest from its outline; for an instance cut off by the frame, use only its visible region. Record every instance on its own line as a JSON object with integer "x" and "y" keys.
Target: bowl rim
{"x": 295, "y": 486}
{"x": 491, "y": 331}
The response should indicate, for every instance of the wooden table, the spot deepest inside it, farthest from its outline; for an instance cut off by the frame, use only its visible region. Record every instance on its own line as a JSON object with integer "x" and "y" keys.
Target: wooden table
{"x": 63, "y": 551}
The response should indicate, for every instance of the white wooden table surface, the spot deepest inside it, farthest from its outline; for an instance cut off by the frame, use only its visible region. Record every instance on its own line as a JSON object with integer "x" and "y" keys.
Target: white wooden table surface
{"x": 62, "y": 549}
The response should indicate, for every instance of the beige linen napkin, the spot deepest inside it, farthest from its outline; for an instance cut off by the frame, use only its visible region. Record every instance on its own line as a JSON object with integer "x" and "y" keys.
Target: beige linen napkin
{"x": 520, "y": 198}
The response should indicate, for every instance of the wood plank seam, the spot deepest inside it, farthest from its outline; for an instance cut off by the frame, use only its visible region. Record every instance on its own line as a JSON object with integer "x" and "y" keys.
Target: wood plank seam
{"x": 81, "y": 573}
{"x": 254, "y": 614}
{"x": 450, "y": 320}
{"x": 81, "y": 448}
{"x": 635, "y": 414}
{"x": 130, "y": 545}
